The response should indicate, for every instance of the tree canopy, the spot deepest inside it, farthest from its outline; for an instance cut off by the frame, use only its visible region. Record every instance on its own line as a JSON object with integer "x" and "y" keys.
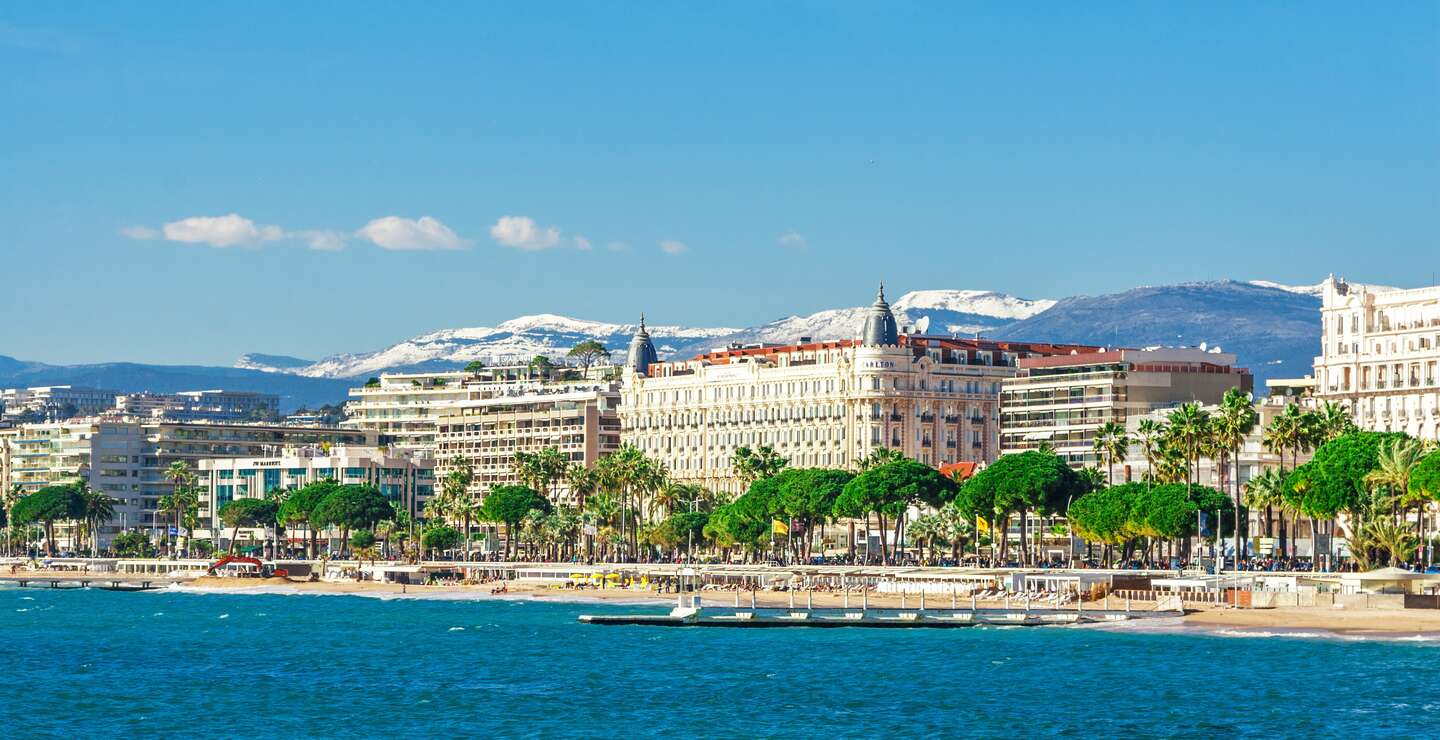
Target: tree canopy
{"x": 1031, "y": 480}
{"x": 248, "y": 512}
{"x": 49, "y": 505}
{"x": 510, "y": 504}
{"x": 588, "y": 352}
{"x": 893, "y": 487}
{"x": 1334, "y": 479}
{"x": 1121, "y": 513}
{"x": 352, "y": 507}
{"x": 299, "y": 506}
{"x": 440, "y": 538}
{"x": 1425, "y": 478}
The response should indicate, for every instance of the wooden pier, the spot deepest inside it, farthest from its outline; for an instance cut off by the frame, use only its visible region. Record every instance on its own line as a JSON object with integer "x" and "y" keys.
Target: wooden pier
{"x": 689, "y": 612}
{"x": 897, "y": 618}
{"x": 104, "y": 584}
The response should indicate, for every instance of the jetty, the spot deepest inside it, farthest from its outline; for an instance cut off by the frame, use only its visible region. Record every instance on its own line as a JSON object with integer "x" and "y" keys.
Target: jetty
{"x": 690, "y": 612}
{"x": 107, "y": 584}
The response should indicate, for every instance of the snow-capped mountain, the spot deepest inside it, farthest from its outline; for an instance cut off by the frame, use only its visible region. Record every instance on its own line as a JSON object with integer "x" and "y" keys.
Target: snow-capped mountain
{"x": 1312, "y": 290}
{"x": 514, "y": 341}
{"x": 520, "y": 339}
{"x": 962, "y": 312}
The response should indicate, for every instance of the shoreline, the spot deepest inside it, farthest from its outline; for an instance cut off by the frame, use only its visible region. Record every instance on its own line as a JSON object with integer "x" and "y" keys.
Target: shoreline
{"x": 1388, "y": 624}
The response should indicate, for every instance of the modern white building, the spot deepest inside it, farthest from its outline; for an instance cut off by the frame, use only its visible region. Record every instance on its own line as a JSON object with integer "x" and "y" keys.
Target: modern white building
{"x": 408, "y": 480}
{"x": 1380, "y": 356}
{"x": 1061, "y": 401}
{"x": 406, "y": 407}
{"x": 212, "y": 405}
{"x": 56, "y": 401}
{"x": 126, "y": 458}
{"x": 822, "y": 404}
{"x": 581, "y": 420}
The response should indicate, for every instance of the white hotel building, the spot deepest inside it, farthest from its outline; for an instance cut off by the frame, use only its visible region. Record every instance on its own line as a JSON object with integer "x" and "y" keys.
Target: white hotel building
{"x": 821, "y": 404}
{"x": 1380, "y": 356}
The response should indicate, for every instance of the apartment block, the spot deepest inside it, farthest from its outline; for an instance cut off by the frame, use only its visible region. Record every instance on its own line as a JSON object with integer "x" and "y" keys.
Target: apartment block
{"x": 1062, "y": 400}
{"x": 127, "y": 458}
{"x": 579, "y": 419}
{"x": 1380, "y": 356}
{"x": 407, "y": 480}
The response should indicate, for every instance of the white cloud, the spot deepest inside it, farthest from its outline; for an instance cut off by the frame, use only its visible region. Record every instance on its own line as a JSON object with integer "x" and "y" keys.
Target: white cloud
{"x": 670, "y": 246}
{"x": 792, "y": 239}
{"x": 522, "y": 233}
{"x": 323, "y": 241}
{"x": 220, "y": 231}
{"x": 618, "y": 247}
{"x": 403, "y": 234}
{"x": 143, "y": 233}
{"x": 582, "y": 244}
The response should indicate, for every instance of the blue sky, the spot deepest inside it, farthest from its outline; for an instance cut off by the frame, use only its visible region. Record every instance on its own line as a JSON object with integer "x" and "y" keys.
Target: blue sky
{"x": 726, "y": 163}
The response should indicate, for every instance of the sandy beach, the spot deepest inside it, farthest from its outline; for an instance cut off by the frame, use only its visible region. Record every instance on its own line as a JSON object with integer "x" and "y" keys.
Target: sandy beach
{"x": 1388, "y": 622}
{"x": 1378, "y": 622}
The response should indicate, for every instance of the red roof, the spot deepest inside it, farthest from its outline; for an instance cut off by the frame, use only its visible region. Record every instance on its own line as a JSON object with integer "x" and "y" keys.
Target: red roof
{"x": 958, "y": 470}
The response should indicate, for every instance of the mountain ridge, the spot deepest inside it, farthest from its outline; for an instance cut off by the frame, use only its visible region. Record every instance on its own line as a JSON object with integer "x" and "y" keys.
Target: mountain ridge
{"x": 1272, "y": 327}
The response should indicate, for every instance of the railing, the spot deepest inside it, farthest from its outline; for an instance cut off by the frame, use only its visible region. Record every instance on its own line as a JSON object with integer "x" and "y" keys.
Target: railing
{"x": 1189, "y": 597}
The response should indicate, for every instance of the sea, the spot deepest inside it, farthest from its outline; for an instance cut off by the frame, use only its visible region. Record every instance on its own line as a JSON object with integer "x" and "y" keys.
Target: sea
{"x": 91, "y": 663}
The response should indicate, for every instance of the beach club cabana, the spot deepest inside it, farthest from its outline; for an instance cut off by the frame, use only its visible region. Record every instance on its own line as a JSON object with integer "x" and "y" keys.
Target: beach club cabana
{"x": 938, "y": 582}
{"x": 1382, "y": 581}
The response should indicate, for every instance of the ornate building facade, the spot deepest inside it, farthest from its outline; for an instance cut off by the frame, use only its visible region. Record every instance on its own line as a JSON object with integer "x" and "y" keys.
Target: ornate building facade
{"x": 1380, "y": 356}
{"x": 821, "y": 403}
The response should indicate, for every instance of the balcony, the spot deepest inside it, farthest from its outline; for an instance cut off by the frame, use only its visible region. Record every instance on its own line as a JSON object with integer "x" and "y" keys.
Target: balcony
{"x": 897, "y": 417}
{"x": 977, "y": 420}
{"x": 952, "y": 419}
{"x": 927, "y": 418}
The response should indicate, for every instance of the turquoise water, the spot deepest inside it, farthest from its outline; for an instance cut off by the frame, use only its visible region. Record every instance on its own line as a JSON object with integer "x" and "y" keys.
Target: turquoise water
{"x": 103, "y": 664}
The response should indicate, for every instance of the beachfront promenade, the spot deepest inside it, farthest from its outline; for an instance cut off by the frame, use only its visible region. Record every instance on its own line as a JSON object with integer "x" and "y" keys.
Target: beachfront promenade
{"x": 1049, "y": 584}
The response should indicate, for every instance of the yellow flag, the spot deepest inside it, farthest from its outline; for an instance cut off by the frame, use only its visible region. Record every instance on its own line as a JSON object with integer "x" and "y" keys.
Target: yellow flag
{"x": 982, "y": 525}
{"x": 779, "y": 527}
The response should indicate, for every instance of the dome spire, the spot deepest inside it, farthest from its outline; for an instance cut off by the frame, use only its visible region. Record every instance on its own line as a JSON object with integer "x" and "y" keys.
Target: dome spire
{"x": 880, "y": 327}
{"x": 642, "y": 352}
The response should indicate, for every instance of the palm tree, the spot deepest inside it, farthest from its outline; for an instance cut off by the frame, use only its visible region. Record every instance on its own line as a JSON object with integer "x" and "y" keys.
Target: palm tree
{"x": 761, "y": 462}
{"x": 460, "y": 503}
{"x": 182, "y": 479}
{"x": 542, "y": 470}
{"x": 1395, "y": 463}
{"x": 98, "y": 509}
{"x": 1189, "y": 428}
{"x": 1234, "y": 421}
{"x": 1149, "y": 433}
{"x": 1332, "y": 420}
{"x": 1266, "y": 491}
{"x": 8, "y": 498}
{"x": 601, "y": 512}
{"x": 1111, "y": 442}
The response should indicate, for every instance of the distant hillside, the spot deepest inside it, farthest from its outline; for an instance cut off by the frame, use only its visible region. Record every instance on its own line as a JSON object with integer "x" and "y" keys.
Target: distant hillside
{"x": 271, "y": 363}
{"x": 1275, "y": 331}
{"x": 1273, "y": 328}
{"x": 294, "y": 390}
{"x": 521, "y": 338}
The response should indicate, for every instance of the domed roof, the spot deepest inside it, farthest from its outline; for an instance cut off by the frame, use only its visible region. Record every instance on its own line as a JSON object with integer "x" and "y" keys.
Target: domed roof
{"x": 880, "y": 328}
{"x": 642, "y": 352}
